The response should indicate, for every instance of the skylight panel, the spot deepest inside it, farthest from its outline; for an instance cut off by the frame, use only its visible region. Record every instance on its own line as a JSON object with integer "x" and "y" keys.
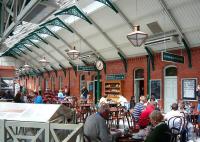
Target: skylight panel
{"x": 55, "y": 28}
{"x": 93, "y": 7}
{"x": 88, "y": 9}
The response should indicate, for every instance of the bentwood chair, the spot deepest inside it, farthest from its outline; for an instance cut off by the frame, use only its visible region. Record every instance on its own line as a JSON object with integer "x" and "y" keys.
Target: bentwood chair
{"x": 176, "y": 125}
{"x": 133, "y": 126}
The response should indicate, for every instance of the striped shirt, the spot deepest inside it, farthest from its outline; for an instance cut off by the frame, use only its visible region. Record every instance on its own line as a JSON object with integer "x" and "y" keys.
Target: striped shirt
{"x": 138, "y": 110}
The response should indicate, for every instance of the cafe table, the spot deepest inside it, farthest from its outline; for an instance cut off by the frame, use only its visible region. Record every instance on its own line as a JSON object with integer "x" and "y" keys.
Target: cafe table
{"x": 128, "y": 138}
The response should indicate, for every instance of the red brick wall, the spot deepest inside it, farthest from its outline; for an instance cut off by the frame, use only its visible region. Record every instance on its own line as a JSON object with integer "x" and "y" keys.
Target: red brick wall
{"x": 116, "y": 67}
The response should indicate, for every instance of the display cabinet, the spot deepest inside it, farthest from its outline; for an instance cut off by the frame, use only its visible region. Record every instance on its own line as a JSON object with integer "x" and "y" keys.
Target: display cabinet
{"x": 113, "y": 89}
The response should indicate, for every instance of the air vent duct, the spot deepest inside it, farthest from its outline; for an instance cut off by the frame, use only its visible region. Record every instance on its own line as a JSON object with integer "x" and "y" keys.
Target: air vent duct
{"x": 173, "y": 39}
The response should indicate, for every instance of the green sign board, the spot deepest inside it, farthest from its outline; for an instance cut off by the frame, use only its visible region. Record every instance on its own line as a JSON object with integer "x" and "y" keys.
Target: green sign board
{"x": 169, "y": 57}
{"x": 115, "y": 77}
{"x": 86, "y": 68}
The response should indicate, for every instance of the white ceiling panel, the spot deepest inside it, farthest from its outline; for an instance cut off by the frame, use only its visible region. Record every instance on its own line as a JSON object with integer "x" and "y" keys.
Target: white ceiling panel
{"x": 194, "y": 38}
{"x": 106, "y": 18}
{"x": 145, "y": 8}
{"x": 99, "y": 42}
{"x": 187, "y": 13}
{"x": 109, "y": 54}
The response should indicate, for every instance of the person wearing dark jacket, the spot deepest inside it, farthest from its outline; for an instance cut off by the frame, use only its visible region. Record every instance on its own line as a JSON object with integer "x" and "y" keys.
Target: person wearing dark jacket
{"x": 17, "y": 98}
{"x": 161, "y": 131}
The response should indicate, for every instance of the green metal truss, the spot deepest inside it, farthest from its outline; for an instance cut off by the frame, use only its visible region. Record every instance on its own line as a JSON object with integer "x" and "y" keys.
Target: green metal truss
{"x": 124, "y": 60}
{"x": 20, "y": 50}
{"x": 23, "y": 47}
{"x": 75, "y": 11}
{"x": 151, "y": 55}
{"x": 57, "y": 22}
{"x": 13, "y": 51}
{"x": 64, "y": 70}
{"x": 188, "y": 53}
{"x": 44, "y": 30}
{"x": 55, "y": 71}
{"x": 13, "y": 56}
{"x": 148, "y": 75}
{"x": 109, "y": 4}
{"x": 27, "y": 41}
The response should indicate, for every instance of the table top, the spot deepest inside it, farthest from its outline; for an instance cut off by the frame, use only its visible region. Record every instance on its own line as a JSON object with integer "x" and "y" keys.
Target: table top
{"x": 128, "y": 138}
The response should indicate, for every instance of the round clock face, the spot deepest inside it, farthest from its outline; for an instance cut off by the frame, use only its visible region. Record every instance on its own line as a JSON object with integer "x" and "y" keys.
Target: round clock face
{"x": 99, "y": 65}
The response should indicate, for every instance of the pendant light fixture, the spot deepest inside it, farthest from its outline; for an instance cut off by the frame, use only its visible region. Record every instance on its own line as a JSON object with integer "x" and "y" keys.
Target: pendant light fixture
{"x": 44, "y": 62}
{"x": 26, "y": 67}
{"x": 137, "y": 38}
{"x": 73, "y": 53}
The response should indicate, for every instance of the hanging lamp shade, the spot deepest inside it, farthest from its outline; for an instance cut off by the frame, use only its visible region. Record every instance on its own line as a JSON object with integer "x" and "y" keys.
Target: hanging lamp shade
{"x": 137, "y": 38}
{"x": 44, "y": 62}
{"x": 26, "y": 67}
{"x": 73, "y": 54}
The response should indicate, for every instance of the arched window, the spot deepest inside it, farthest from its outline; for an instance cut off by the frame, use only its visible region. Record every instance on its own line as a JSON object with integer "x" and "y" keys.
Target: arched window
{"x": 60, "y": 82}
{"x": 171, "y": 71}
{"x": 52, "y": 83}
{"x": 139, "y": 73}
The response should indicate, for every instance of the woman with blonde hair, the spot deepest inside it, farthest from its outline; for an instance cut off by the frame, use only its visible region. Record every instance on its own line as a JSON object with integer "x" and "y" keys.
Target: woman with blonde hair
{"x": 161, "y": 131}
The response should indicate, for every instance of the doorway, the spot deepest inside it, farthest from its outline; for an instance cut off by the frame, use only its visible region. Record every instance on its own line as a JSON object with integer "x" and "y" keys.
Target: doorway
{"x": 170, "y": 87}
{"x": 138, "y": 84}
{"x": 92, "y": 88}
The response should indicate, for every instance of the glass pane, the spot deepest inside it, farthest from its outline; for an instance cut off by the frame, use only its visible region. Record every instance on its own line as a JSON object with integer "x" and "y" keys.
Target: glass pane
{"x": 171, "y": 71}
{"x": 139, "y": 73}
{"x": 60, "y": 83}
{"x": 47, "y": 84}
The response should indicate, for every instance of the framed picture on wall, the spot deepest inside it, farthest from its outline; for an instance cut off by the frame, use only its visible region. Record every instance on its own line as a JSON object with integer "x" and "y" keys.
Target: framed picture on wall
{"x": 155, "y": 88}
{"x": 189, "y": 88}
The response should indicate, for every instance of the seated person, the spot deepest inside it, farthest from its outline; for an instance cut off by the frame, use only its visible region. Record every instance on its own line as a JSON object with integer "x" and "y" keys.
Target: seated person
{"x": 60, "y": 95}
{"x": 84, "y": 93}
{"x": 178, "y": 123}
{"x": 144, "y": 117}
{"x": 18, "y": 98}
{"x": 103, "y": 99}
{"x": 174, "y": 112}
{"x": 139, "y": 107}
{"x": 95, "y": 127}
{"x": 132, "y": 102}
{"x": 122, "y": 100}
{"x": 38, "y": 99}
{"x": 160, "y": 132}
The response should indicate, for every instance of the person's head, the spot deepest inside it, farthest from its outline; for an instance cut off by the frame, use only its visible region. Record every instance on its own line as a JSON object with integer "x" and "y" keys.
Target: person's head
{"x": 105, "y": 95}
{"x": 174, "y": 106}
{"x": 104, "y": 111}
{"x": 156, "y": 117}
{"x": 153, "y": 97}
{"x": 143, "y": 99}
{"x": 133, "y": 98}
{"x": 198, "y": 87}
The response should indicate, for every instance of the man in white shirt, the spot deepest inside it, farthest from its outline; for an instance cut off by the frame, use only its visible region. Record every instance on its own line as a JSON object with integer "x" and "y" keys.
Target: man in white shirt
{"x": 177, "y": 122}
{"x": 103, "y": 99}
{"x": 173, "y": 112}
